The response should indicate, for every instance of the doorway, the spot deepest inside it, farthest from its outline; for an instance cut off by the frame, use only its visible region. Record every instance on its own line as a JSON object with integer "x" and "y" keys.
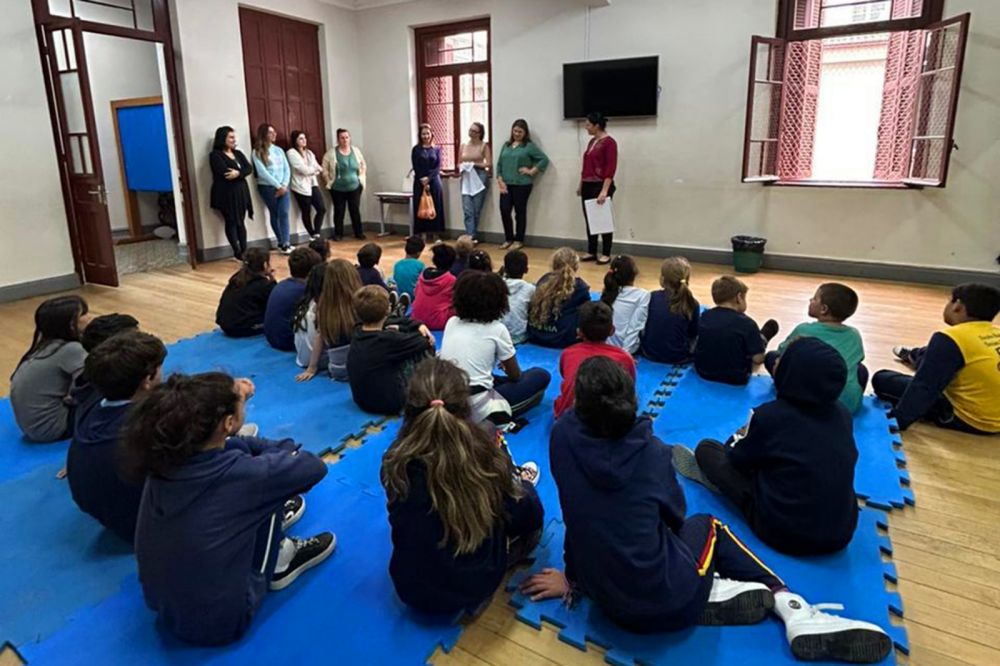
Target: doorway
{"x": 111, "y": 81}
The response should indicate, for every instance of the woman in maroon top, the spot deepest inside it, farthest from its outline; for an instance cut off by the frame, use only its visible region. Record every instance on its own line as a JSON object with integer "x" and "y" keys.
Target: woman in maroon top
{"x": 597, "y": 181}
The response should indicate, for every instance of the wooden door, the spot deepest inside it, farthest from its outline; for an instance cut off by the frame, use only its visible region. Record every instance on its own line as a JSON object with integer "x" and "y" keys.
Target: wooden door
{"x": 79, "y": 154}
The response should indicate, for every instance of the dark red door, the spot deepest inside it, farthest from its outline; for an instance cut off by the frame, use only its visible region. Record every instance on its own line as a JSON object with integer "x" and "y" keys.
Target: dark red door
{"x": 79, "y": 155}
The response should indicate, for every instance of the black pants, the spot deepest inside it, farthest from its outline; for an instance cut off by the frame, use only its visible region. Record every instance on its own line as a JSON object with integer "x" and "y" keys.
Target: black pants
{"x": 890, "y": 386}
{"x": 732, "y": 483}
{"x": 516, "y": 200}
{"x": 347, "y": 201}
{"x": 236, "y": 234}
{"x": 771, "y": 361}
{"x": 314, "y": 201}
{"x": 590, "y": 190}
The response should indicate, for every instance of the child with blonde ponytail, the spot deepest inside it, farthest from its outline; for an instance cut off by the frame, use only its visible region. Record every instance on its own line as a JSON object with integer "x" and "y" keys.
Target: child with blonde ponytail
{"x": 553, "y": 311}
{"x": 461, "y": 514}
{"x": 672, "y": 324}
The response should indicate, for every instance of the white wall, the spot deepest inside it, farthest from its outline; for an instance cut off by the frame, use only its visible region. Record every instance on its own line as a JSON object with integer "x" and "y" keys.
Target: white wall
{"x": 119, "y": 69}
{"x": 207, "y": 35}
{"x": 32, "y": 217}
{"x": 679, "y": 180}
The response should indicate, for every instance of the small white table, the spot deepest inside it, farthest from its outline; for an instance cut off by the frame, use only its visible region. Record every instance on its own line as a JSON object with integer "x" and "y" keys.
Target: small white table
{"x": 388, "y": 198}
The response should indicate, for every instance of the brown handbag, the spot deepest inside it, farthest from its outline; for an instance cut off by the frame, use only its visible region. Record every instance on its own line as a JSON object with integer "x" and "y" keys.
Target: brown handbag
{"x": 426, "y": 210}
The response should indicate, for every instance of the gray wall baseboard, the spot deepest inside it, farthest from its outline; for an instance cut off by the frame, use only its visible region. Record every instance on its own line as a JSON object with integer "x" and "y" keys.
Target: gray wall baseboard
{"x": 779, "y": 262}
{"x": 15, "y": 292}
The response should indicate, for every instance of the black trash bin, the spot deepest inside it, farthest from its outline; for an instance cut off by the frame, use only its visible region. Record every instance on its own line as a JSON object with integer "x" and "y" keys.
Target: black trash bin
{"x": 748, "y": 253}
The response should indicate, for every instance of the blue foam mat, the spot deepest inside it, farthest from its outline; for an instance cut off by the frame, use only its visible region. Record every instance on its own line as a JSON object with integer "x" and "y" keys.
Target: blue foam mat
{"x": 19, "y": 456}
{"x": 56, "y": 560}
{"x": 855, "y": 577}
{"x": 699, "y": 409}
{"x": 320, "y": 414}
{"x": 344, "y": 609}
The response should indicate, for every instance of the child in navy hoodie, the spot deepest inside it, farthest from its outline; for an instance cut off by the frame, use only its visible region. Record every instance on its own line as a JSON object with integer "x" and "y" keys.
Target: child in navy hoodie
{"x": 210, "y": 534}
{"x": 121, "y": 370}
{"x": 791, "y": 469}
{"x": 461, "y": 513}
{"x": 630, "y": 548}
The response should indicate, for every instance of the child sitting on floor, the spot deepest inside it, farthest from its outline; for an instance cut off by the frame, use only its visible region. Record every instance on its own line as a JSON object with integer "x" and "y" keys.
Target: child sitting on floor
{"x": 210, "y": 537}
{"x": 41, "y": 383}
{"x": 461, "y": 514}
{"x": 595, "y": 328}
{"x": 629, "y": 303}
{"x": 476, "y": 341}
{"x": 241, "y": 309}
{"x": 304, "y": 317}
{"x": 629, "y": 547}
{"x": 480, "y": 260}
{"x": 519, "y": 293}
{"x": 432, "y": 296}
{"x": 558, "y": 296}
{"x": 368, "y": 257}
{"x": 672, "y": 325}
{"x": 122, "y": 370}
{"x": 791, "y": 469}
{"x": 464, "y": 246}
{"x": 957, "y": 380}
{"x": 729, "y": 343}
{"x": 406, "y": 271}
{"x": 98, "y": 330}
{"x": 382, "y": 357}
{"x": 335, "y": 321}
{"x": 285, "y": 295}
{"x": 321, "y": 246}
{"x": 830, "y": 306}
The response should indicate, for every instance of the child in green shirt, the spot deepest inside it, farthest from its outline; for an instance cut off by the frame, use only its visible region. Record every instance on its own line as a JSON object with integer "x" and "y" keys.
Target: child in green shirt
{"x": 830, "y": 306}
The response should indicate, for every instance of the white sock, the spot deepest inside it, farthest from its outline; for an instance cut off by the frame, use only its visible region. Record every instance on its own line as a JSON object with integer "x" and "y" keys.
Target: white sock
{"x": 285, "y": 555}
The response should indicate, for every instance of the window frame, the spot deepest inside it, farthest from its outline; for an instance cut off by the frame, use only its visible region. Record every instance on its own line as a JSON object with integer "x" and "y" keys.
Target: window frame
{"x": 933, "y": 14}
{"x": 456, "y": 70}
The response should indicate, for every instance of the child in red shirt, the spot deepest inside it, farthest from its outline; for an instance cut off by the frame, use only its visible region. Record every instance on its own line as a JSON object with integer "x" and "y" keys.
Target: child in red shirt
{"x": 596, "y": 325}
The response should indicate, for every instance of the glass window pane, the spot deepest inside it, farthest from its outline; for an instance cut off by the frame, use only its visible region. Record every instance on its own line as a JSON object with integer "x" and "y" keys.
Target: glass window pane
{"x": 70, "y": 49}
{"x": 432, "y": 48}
{"x": 481, "y": 87}
{"x": 88, "y": 167}
{"x": 456, "y": 57}
{"x": 465, "y": 88}
{"x": 60, "y": 7}
{"x": 848, "y": 12}
{"x": 69, "y": 86}
{"x": 459, "y": 41}
{"x": 76, "y": 159}
{"x": 59, "y": 48}
{"x": 120, "y": 15}
{"x": 474, "y": 112}
{"x": 480, "y": 45}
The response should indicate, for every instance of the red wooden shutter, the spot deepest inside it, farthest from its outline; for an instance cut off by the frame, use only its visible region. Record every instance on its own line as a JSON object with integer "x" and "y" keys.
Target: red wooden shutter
{"x": 936, "y": 102}
{"x": 803, "y": 64}
{"x": 764, "y": 93}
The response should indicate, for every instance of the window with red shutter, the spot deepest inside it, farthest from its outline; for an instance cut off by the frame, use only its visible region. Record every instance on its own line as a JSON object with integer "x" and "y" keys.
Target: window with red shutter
{"x": 453, "y": 83}
{"x": 854, "y": 93}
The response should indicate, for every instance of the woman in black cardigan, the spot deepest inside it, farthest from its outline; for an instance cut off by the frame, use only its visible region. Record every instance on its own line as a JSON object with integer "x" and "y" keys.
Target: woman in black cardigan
{"x": 230, "y": 194}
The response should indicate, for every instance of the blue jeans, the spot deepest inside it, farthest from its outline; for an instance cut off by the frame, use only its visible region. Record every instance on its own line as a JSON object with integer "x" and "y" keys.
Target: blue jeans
{"x": 526, "y": 392}
{"x": 278, "y": 208}
{"x": 472, "y": 204}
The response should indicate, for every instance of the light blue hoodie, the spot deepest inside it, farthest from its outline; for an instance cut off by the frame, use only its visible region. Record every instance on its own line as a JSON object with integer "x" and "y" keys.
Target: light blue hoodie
{"x": 275, "y": 174}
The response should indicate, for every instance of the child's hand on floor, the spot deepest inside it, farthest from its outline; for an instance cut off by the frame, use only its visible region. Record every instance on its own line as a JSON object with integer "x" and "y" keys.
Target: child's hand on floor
{"x": 305, "y": 375}
{"x": 245, "y": 388}
{"x": 426, "y": 332}
{"x": 546, "y": 584}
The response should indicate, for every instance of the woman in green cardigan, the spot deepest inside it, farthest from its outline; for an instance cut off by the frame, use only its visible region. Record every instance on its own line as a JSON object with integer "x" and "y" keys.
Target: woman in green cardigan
{"x": 519, "y": 162}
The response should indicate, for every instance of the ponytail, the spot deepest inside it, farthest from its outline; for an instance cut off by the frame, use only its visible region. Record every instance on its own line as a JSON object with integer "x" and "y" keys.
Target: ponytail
{"x": 675, "y": 275}
{"x": 254, "y": 262}
{"x": 555, "y": 290}
{"x": 621, "y": 273}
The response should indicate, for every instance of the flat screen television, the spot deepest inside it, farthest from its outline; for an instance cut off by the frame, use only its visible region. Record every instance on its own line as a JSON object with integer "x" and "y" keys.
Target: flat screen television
{"x": 627, "y": 87}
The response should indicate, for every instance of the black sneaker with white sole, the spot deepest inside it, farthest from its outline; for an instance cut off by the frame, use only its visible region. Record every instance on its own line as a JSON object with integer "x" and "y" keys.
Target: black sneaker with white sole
{"x": 308, "y": 553}
{"x": 769, "y": 329}
{"x": 292, "y": 511}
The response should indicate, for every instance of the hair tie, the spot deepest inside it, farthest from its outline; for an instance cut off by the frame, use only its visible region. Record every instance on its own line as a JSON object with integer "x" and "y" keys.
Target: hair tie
{"x": 437, "y": 403}
{"x": 683, "y": 281}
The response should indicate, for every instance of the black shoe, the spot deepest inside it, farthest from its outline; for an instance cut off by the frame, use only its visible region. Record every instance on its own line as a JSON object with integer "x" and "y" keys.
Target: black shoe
{"x": 336, "y": 238}
{"x": 769, "y": 329}
{"x": 404, "y": 305}
{"x": 393, "y": 301}
{"x": 308, "y": 553}
{"x": 292, "y": 511}
{"x": 360, "y": 236}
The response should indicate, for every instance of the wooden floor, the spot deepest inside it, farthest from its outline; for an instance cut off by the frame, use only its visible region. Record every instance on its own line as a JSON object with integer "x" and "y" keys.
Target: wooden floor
{"x": 945, "y": 548}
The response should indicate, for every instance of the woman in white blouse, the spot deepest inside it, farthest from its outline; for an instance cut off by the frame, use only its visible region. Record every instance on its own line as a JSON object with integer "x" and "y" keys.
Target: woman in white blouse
{"x": 305, "y": 183}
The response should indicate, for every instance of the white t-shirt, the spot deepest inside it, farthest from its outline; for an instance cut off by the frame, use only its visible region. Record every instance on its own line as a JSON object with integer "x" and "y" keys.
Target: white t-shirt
{"x": 476, "y": 348}
{"x": 631, "y": 309}
{"x": 304, "y": 337}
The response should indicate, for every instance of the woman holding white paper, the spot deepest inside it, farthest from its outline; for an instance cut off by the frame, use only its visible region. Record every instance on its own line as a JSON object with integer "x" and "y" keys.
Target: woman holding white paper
{"x": 597, "y": 181}
{"x": 475, "y": 166}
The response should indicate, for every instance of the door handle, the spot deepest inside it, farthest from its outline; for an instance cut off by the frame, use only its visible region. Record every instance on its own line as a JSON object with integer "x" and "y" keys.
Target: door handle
{"x": 102, "y": 194}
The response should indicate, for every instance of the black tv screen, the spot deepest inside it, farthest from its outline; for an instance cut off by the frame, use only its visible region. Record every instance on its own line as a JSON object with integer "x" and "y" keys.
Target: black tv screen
{"x": 627, "y": 87}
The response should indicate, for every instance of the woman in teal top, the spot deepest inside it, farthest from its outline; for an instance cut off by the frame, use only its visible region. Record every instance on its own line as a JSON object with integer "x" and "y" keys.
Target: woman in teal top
{"x": 519, "y": 162}
{"x": 344, "y": 171}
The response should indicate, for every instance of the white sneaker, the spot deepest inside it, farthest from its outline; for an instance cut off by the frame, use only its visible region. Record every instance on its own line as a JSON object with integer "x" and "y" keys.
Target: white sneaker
{"x": 902, "y": 354}
{"x": 529, "y": 472}
{"x": 248, "y": 430}
{"x": 734, "y": 602}
{"x": 815, "y": 635}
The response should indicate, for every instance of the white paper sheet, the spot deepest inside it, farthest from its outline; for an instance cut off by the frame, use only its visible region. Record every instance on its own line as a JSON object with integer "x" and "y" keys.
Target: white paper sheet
{"x": 600, "y": 217}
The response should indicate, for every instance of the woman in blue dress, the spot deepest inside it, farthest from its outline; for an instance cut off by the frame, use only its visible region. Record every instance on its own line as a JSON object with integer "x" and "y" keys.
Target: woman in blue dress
{"x": 426, "y": 161}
